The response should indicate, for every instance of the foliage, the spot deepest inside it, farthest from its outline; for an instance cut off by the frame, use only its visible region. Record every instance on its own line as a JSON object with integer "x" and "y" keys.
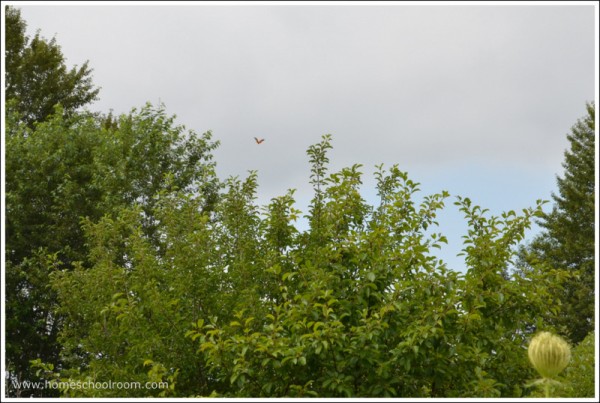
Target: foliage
{"x": 356, "y": 306}
{"x": 127, "y": 260}
{"x": 567, "y": 241}
{"x": 69, "y": 168}
{"x": 580, "y": 374}
{"x": 48, "y": 187}
{"x": 31, "y": 324}
{"x": 146, "y": 295}
{"x": 36, "y": 75}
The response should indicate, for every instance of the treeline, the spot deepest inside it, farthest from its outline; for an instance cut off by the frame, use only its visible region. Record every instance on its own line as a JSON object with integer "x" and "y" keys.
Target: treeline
{"x": 129, "y": 260}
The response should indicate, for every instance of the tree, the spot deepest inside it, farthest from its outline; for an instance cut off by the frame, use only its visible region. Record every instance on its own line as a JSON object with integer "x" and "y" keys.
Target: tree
{"x": 365, "y": 310}
{"x": 145, "y": 298}
{"x": 62, "y": 166}
{"x": 71, "y": 168}
{"x": 567, "y": 241}
{"x": 357, "y": 305}
{"x": 37, "y": 77}
{"x": 580, "y": 374}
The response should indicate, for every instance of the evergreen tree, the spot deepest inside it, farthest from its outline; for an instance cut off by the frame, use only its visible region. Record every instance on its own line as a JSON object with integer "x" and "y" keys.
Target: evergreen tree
{"x": 36, "y": 75}
{"x": 567, "y": 241}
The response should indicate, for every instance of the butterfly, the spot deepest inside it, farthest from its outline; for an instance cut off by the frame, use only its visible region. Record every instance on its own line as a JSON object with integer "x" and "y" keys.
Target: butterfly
{"x": 258, "y": 141}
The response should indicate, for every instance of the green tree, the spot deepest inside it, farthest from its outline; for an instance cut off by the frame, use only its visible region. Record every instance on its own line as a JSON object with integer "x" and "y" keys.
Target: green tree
{"x": 145, "y": 297}
{"x": 236, "y": 302}
{"x": 48, "y": 187}
{"x": 567, "y": 240}
{"x": 69, "y": 168}
{"x": 580, "y": 374}
{"x": 365, "y": 310}
{"x": 36, "y": 74}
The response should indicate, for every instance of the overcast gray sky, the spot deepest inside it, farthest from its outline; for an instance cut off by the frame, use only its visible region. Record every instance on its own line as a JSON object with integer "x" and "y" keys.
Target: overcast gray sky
{"x": 473, "y": 99}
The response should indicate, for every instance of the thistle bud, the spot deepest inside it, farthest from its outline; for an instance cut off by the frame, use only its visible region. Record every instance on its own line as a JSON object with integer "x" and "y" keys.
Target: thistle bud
{"x": 549, "y": 354}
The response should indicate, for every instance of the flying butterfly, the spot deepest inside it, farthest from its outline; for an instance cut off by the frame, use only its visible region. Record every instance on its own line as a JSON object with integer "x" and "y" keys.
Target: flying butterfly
{"x": 258, "y": 141}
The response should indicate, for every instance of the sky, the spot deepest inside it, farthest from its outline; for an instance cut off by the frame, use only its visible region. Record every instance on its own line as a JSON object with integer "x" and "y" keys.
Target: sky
{"x": 476, "y": 99}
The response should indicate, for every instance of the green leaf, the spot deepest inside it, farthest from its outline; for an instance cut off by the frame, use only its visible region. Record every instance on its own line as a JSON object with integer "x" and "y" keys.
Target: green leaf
{"x": 474, "y": 316}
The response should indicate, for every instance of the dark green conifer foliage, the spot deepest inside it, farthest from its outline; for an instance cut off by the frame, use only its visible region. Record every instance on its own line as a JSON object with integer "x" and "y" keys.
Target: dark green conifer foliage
{"x": 567, "y": 242}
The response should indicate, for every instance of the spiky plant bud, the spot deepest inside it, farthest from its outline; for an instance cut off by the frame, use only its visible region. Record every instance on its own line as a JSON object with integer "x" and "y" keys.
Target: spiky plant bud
{"x": 549, "y": 354}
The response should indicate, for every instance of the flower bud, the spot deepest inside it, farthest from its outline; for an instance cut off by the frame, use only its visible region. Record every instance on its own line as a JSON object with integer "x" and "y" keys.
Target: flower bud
{"x": 549, "y": 354}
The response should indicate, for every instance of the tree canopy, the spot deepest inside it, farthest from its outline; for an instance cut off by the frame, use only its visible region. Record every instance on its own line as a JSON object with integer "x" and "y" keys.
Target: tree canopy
{"x": 129, "y": 261}
{"x": 66, "y": 169}
{"x": 567, "y": 241}
{"x": 238, "y": 302}
{"x": 37, "y": 77}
